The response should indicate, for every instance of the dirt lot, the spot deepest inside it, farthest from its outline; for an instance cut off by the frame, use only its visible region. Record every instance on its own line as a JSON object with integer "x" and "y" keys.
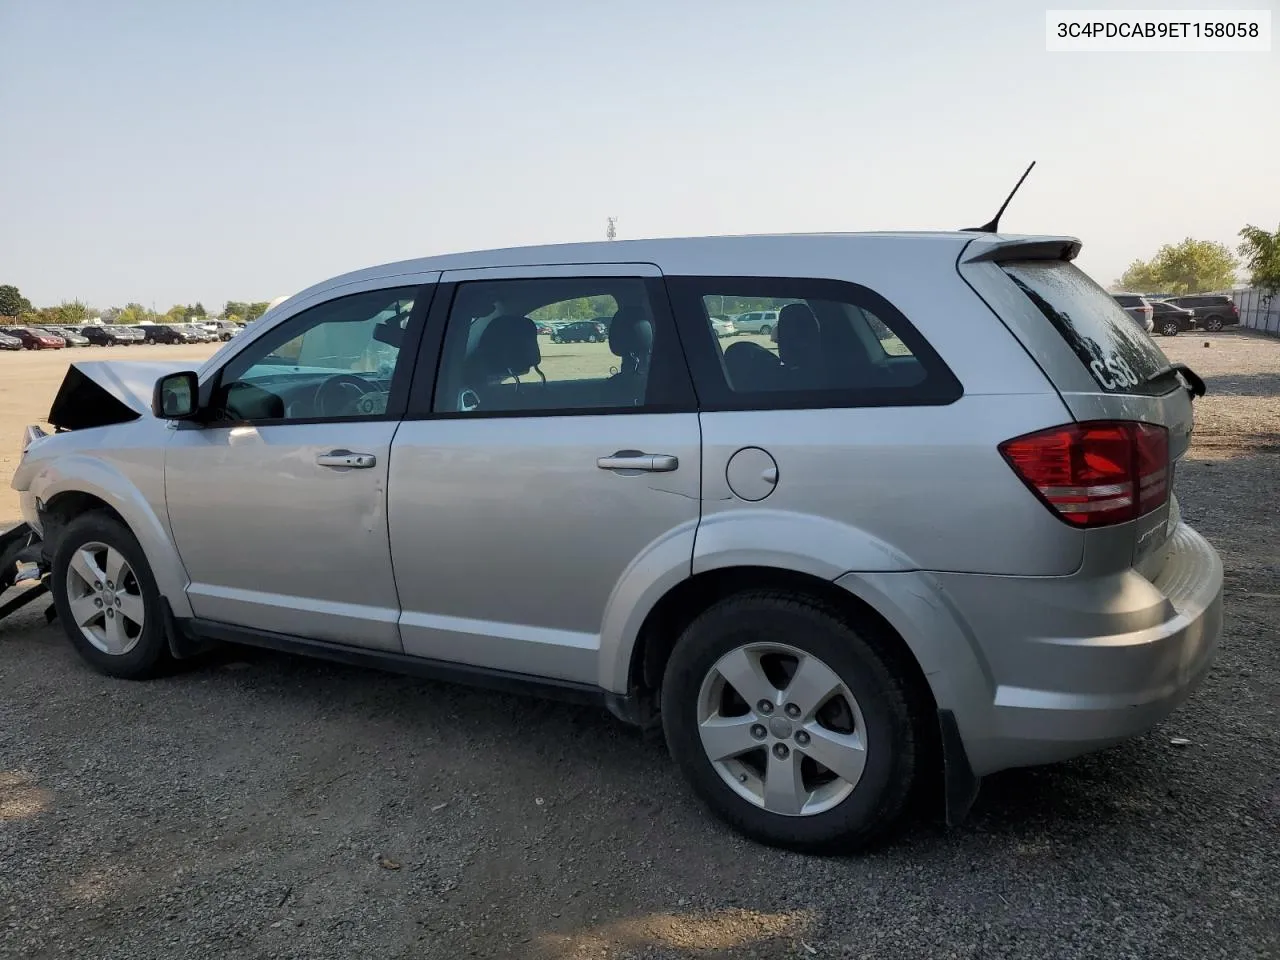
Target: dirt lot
{"x": 268, "y": 806}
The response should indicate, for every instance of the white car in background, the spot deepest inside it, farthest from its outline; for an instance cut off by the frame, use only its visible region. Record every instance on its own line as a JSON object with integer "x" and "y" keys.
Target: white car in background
{"x": 724, "y": 327}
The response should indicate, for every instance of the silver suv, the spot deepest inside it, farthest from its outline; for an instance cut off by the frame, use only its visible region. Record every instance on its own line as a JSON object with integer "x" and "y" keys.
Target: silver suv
{"x": 757, "y": 321}
{"x": 934, "y": 528}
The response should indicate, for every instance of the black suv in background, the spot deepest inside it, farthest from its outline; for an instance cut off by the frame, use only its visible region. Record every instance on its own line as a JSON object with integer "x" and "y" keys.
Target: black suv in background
{"x": 106, "y": 336}
{"x": 166, "y": 333}
{"x": 1170, "y": 319}
{"x": 1213, "y": 311}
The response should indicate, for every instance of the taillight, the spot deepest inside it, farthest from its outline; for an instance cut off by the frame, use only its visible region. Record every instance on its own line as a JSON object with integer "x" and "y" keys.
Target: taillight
{"x": 1095, "y": 473}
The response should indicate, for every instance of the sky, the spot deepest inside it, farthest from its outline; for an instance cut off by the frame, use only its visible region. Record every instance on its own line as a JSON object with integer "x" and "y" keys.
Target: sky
{"x": 172, "y": 152}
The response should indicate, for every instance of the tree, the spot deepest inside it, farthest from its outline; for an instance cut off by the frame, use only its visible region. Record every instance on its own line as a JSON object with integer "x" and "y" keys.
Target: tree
{"x": 71, "y": 313}
{"x": 176, "y": 314}
{"x": 1261, "y": 252}
{"x": 12, "y": 303}
{"x": 134, "y": 313}
{"x": 1192, "y": 266}
{"x": 111, "y": 314}
{"x": 1141, "y": 276}
{"x": 256, "y": 310}
{"x": 197, "y": 311}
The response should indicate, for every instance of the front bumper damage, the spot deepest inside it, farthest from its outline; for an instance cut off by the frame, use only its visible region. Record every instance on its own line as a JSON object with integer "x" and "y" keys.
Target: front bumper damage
{"x": 24, "y": 574}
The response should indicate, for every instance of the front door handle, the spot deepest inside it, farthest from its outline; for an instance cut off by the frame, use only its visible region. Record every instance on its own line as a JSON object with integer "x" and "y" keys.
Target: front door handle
{"x": 634, "y": 460}
{"x": 345, "y": 458}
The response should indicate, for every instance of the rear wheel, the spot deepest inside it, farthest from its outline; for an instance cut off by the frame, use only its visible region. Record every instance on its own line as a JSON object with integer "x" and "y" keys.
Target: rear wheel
{"x": 1213, "y": 324}
{"x": 107, "y": 598}
{"x": 1169, "y": 328}
{"x": 766, "y": 329}
{"x": 789, "y": 724}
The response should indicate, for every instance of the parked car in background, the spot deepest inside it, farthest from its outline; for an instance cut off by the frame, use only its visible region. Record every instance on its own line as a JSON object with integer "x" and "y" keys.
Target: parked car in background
{"x": 1170, "y": 319}
{"x": 544, "y": 328}
{"x": 8, "y": 342}
{"x": 108, "y": 335}
{"x": 222, "y": 330}
{"x": 724, "y": 327}
{"x": 1213, "y": 311}
{"x": 168, "y": 333}
{"x": 760, "y": 321}
{"x": 70, "y": 335}
{"x": 33, "y": 338}
{"x": 1138, "y": 308}
{"x": 759, "y": 560}
{"x": 580, "y": 331}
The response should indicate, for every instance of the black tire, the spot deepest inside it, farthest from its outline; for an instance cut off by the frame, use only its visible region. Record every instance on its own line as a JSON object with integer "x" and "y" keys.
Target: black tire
{"x": 1169, "y": 329}
{"x": 893, "y": 729}
{"x": 1214, "y": 324}
{"x": 766, "y": 330}
{"x": 150, "y": 656}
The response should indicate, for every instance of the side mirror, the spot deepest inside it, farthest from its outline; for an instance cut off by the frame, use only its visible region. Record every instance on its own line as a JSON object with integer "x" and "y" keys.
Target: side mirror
{"x": 176, "y": 396}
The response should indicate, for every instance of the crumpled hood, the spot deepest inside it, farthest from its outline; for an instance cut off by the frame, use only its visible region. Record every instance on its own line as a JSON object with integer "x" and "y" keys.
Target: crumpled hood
{"x": 96, "y": 393}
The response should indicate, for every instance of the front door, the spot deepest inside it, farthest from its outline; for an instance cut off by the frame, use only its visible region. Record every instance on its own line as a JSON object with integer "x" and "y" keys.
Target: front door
{"x": 531, "y": 485}
{"x": 278, "y": 501}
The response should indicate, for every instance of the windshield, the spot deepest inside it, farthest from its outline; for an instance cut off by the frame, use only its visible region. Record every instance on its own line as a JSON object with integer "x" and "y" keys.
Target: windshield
{"x": 1120, "y": 356}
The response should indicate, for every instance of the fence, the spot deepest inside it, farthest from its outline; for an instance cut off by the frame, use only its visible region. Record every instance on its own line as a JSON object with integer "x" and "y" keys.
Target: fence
{"x": 1257, "y": 311}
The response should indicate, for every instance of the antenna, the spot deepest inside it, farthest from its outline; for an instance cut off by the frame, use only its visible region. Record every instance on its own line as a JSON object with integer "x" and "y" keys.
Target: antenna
{"x": 992, "y": 225}
{"x": 612, "y": 232}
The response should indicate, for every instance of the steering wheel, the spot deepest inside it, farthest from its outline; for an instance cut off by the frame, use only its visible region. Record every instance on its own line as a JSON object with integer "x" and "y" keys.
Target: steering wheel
{"x": 338, "y": 394}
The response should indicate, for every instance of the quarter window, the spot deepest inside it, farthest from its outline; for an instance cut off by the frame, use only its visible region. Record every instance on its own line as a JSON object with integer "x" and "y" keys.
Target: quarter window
{"x": 827, "y": 343}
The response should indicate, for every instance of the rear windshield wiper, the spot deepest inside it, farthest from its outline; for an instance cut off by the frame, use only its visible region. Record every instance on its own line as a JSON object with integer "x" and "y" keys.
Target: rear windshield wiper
{"x": 1195, "y": 385}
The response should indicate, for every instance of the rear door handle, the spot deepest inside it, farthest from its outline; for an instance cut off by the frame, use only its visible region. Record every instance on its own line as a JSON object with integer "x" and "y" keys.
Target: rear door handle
{"x": 634, "y": 460}
{"x": 345, "y": 458}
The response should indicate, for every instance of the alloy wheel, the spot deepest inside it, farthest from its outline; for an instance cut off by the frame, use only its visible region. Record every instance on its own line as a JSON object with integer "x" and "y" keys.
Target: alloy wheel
{"x": 105, "y": 598}
{"x": 782, "y": 729}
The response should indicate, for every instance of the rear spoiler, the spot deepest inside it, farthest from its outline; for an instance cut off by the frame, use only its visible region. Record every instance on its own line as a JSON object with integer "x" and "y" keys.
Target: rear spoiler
{"x": 998, "y": 249}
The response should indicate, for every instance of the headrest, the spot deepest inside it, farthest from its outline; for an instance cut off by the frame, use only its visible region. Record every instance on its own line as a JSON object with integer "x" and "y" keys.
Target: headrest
{"x": 799, "y": 337}
{"x": 507, "y": 346}
{"x": 631, "y": 334}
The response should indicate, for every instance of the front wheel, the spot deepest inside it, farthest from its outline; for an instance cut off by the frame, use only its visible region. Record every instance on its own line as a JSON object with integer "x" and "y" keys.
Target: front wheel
{"x": 107, "y": 598}
{"x": 1214, "y": 324}
{"x": 789, "y": 724}
{"x": 1169, "y": 329}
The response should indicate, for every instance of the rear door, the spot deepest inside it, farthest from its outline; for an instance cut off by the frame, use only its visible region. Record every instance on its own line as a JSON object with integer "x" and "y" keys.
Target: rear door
{"x": 533, "y": 483}
{"x": 1102, "y": 365}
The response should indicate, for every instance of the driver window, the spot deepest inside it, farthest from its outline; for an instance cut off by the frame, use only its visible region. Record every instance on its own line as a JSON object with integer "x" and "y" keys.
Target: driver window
{"x": 334, "y": 360}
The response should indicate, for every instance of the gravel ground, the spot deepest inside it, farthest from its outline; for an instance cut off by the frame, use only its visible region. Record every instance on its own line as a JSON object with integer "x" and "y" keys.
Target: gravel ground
{"x": 268, "y": 806}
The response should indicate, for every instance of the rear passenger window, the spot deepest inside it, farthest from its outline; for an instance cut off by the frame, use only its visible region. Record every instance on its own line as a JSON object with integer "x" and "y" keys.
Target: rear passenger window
{"x": 829, "y": 343}
{"x": 559, "y": 345}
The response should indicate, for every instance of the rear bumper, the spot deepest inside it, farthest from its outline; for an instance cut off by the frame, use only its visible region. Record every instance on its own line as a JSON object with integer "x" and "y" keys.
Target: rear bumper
{"x": 1076, "y": 665}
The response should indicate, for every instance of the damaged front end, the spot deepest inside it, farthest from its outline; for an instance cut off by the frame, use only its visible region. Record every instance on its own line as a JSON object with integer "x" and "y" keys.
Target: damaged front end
{"x": 92, "y": 394}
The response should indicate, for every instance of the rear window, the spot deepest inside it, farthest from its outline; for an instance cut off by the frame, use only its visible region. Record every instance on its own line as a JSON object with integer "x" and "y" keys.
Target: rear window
{"x": 1119, "y": 355}
{"x": 1127, "y": 301}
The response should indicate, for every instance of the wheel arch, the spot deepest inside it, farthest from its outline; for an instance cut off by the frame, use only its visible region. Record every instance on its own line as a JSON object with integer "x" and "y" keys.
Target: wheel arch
{"x": 679, "y": 605}
{"x": 72, "y": 485}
